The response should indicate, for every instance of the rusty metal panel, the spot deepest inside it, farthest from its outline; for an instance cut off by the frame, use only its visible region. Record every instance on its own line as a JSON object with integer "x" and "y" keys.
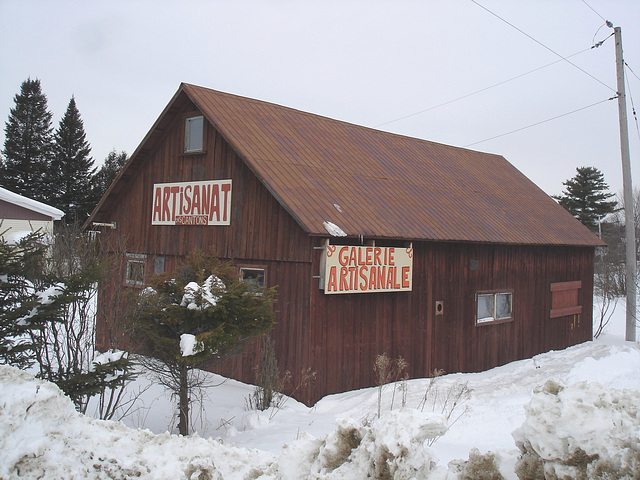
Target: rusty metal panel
{"x": 386, "y": 185}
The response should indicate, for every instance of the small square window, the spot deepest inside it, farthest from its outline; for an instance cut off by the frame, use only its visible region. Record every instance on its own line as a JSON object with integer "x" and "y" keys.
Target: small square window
{"x": 135, "y": 272}
{"x": 492, "y": 307}
{"x": 193, "y": 134}
{"x": 253, "y": 276}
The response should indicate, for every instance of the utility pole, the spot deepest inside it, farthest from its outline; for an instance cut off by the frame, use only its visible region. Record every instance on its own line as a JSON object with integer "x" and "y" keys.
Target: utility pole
{"x": 630, "y": 228}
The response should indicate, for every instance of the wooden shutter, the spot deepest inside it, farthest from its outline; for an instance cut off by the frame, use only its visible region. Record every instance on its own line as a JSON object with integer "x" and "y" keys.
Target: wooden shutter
{"x": 564, "y": 299}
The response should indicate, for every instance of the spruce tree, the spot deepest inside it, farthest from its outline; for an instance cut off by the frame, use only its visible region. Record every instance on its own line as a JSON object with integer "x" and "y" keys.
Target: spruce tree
{"x": 586, "y": 197}
{"x": 72, "y": 167}
{"x": 107, "y": 173}
{"x": 28, "y": 144}
{"x": 20, "y": 279}
{"x": 203, "y": 310}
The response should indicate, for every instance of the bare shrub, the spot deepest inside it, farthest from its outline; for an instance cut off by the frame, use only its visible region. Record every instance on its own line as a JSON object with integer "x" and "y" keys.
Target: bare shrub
{"x": 608, "y": 304}
{"x": 271, "y": 385}
{"x": 446, "y": 401}
{"x": 388, "y": 370}
{"x": 66, "y": 353}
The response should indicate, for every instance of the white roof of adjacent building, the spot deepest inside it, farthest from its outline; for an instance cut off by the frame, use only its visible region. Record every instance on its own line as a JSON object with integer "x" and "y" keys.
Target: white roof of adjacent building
{"x": 30, "y": 204}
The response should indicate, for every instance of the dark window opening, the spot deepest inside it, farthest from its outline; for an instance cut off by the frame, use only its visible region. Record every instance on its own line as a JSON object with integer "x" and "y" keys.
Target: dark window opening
{"x": 254, "y": 277}
{"x": 135, "y": 272}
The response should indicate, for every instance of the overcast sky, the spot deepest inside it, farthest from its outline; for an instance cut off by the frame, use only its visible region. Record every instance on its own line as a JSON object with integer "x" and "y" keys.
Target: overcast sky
{"x": 382, "y": 64}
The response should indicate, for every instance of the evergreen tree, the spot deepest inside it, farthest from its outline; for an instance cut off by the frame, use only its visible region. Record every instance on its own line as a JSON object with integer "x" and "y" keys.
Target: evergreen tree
{"x": 20, "y": 275}
{"x": 47, "y": 317}
{"x": 107, "y": 173}
{"x": 28, "y": 144}
{"x": 205, "y": 311}
{"x": 71, "y": 168}
{"x": 586, "y": 197}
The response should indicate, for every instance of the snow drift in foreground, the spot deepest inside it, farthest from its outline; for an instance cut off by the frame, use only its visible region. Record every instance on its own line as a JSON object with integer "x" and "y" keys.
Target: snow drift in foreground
{"x": 42, "y": 436}
{"x": 568, "y": 428}
{"x": 580, "y": 431}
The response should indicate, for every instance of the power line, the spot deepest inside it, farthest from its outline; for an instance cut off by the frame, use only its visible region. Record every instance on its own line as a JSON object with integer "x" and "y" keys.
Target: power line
{"x": 540, "y": 123}
{"x": 633, "y": 107}
{"x": 632, "y": 72}
{"x": 543, "y": 45}
{"x": 480, "y": 90}
{"x": 593, "y": 10}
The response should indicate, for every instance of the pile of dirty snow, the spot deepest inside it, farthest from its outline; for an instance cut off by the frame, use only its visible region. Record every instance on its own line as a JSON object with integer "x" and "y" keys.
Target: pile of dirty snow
{"x": 42, "y": 436}
{"x": 564, "y": 414}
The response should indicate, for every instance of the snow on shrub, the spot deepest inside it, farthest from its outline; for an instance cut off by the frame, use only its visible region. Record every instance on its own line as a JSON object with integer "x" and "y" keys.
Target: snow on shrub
{"x": 199, "y": 297}
{"x": 582, "y": 430}
{"x": 189, "y": 345}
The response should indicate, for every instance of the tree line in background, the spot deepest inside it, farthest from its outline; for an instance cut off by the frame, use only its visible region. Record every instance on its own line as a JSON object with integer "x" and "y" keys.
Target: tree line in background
{"x": 587, "y": 198}
{"x": 53, "y": 166}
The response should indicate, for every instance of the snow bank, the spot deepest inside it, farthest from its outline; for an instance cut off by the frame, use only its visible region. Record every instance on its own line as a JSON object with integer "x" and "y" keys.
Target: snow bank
{"x": 582, "y": 430}
{"x": 42, "y": 436}
{"x": 356, "y": 451}
{"x": 567, "y": 427}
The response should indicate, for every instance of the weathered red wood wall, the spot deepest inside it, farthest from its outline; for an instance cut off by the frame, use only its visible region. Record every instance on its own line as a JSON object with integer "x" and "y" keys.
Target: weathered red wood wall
{"x": 339, "y": 336}
{"x": 348, "y": 331}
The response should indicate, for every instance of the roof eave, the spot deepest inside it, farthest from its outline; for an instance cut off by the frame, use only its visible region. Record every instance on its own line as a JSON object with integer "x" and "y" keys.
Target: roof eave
{"x": 134, "y": 156}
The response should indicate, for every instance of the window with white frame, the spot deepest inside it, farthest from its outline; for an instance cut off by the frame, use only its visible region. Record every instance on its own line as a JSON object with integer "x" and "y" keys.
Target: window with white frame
{"x": 253, "y": 276}
{"x": 194, "y": 134}
{"x": 493, "y": 307}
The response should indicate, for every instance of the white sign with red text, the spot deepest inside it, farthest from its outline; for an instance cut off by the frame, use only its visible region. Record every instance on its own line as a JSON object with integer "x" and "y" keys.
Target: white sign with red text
{"x": 192, "y": 203}
{"x": 362, "y": 269}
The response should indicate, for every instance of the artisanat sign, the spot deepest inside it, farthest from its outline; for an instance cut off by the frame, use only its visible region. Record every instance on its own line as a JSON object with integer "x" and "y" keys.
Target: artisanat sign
{"x": 192, "y": 203}
{"x": 355, "y": 269}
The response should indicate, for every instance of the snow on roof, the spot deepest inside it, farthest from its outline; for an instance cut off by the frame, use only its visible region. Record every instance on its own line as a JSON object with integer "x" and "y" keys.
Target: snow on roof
{"x": 30, "y": 204}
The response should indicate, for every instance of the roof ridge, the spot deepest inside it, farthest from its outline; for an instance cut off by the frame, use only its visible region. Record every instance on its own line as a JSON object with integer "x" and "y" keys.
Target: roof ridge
{"x": 331, "y": 119}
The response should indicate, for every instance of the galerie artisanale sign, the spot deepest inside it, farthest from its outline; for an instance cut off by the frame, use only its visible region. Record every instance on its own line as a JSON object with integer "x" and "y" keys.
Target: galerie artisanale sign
{"x": 192, "y": 203}
{"x": 361, "y": 269}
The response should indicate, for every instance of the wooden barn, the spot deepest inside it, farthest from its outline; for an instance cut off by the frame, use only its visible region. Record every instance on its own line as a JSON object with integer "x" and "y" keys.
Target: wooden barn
{"x": 376, "y": 242}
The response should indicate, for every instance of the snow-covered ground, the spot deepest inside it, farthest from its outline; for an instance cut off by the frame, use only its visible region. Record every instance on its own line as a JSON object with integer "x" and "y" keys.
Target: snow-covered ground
{"x": 579, "y": 402}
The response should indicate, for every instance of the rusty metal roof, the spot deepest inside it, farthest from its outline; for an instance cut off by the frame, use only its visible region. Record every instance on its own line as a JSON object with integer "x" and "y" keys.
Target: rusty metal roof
{"x": 382, "y": 185}
{"x": 386, "y": 185}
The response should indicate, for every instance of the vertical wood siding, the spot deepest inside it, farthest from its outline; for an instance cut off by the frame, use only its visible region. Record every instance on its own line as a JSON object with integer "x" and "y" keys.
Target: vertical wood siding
{"x": 339, "y": 336}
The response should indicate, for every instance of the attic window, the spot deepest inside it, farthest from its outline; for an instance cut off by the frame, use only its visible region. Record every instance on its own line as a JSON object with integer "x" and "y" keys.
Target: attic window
{"x": 193, "y": 134}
